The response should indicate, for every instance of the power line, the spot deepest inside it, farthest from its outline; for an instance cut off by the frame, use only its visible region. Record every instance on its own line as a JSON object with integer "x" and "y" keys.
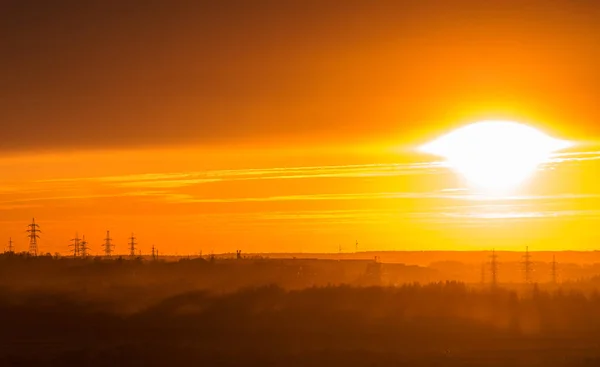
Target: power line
{"x": 33, "y": 229}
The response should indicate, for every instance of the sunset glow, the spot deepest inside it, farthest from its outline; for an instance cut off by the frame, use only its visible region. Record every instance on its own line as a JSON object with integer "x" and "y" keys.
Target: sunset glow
{"x": 294, "y": 126}
{"x": 300, "y": 183}
{"x": 495, "y": 155}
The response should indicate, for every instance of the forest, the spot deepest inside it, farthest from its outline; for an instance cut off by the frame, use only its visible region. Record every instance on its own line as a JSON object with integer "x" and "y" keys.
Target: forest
{"x": 445, "y": 324}
{"x": 257, "y": 312}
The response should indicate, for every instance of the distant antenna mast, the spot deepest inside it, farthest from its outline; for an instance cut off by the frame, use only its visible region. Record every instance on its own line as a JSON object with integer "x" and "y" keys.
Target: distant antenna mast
{"x": 494, "y": 268}
{"x": 554, "y": 269}
{"x": 33, "y": 229}
{"x": 83, "y": 248}
{"x": 10, "y": 246}
{"x": 153, "y": 253}
{"x": 339, "y": 249}
{"x": 356, "y": 246}
{"x": 76, "y": 245}
{"x": 527, "y": 265}
{"x": 132, "y": 244}
{"x": 108, "y": 246}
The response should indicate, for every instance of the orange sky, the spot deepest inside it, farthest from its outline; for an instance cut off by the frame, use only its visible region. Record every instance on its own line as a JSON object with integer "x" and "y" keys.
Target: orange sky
{"x": 185, "y": 201}
{"x": 289, "y": 126}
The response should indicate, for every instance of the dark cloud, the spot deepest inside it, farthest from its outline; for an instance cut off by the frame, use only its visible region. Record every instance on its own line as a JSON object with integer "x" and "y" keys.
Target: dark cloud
{"x": 130, "y": 73}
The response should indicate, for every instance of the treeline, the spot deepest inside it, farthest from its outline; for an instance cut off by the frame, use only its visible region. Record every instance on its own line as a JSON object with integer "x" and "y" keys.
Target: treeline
{"x": 447, "y": 324}
{"x": 97, "y": 275}
{"x": 228, "y": 271}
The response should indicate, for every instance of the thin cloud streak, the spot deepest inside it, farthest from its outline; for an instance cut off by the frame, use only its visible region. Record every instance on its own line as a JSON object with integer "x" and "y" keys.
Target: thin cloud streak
{"x": 183, "y": 179}
{"x": 173, "y": 198}
{"x": 162, "y": 186}
{"x": 523, "y": 215}
{"x": 190, "y": 178}
{"x": 384, "y": 195}
{"x": 573, "y": 157}
{"x": 85, "y": 197}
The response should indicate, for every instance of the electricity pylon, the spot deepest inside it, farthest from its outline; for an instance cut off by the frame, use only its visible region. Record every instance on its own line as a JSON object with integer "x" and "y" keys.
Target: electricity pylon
{"x": 494, "y": 268}
{"x": 83, "y": 248}
{"x": 554, "y": 270}
{"x": 108, "y": 246}
{"x": 33, "y": 229}
{"x": 10, "y": 246}
{"x": 132, "y": 244}
{"x": 76, "y": 244}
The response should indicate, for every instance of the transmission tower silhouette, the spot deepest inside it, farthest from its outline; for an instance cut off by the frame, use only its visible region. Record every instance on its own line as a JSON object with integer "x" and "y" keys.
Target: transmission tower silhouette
{"x": 83, "y": 248}
{"x": 108, "y": 246}
{"x": 76, "y": 245}
{"x": 10, "y": 246}
{"x": 527, "y": 265}
{"x": 33, "y": 229}
{"x": 494, "y": 268}
{"x": 554, "y": 270}
{"x": 356, "y": 246}
{"x": 132, "y": 244}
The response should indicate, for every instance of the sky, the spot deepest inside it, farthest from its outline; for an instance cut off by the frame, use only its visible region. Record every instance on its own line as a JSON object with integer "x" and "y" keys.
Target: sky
{"x": 272, "y": 126}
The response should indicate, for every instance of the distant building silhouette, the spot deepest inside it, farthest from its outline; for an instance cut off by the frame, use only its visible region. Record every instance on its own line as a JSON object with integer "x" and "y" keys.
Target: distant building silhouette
{"x": 373, "y": 273}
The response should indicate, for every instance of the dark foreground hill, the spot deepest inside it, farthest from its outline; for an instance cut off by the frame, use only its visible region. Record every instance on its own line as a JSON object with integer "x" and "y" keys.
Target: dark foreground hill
{"x": 441, "y": 324}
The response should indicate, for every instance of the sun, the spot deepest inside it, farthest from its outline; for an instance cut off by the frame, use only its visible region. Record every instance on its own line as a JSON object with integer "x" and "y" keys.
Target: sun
{"x": 495, "y": 155}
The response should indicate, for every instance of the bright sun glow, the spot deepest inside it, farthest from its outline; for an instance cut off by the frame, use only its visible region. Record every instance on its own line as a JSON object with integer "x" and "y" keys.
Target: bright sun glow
{"x": 495, "y": 155}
